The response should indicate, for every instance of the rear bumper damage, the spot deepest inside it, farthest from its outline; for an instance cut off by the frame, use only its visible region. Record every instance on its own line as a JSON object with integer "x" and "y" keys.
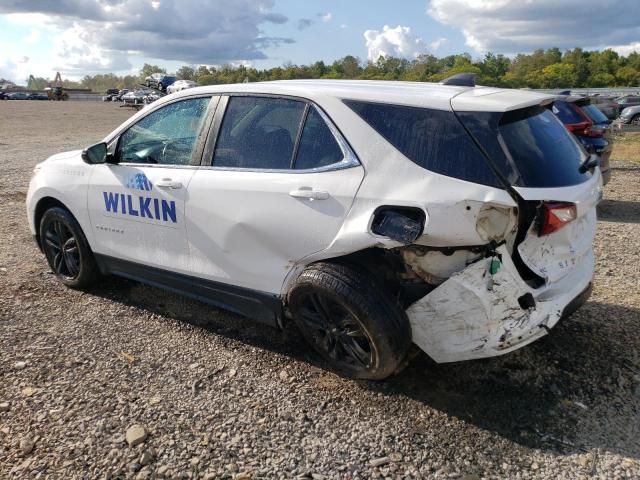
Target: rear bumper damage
{"x": 487, "y": 309}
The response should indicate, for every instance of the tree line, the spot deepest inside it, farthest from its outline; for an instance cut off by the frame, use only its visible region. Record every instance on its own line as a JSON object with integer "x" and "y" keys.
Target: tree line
{"x": 549, "y": 68}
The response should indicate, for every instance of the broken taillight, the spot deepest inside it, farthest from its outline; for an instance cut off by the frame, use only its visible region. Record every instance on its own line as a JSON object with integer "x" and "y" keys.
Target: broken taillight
{"x": 556, "y": 215}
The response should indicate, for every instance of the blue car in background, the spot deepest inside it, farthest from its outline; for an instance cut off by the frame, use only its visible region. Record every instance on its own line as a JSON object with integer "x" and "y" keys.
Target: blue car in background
{"x": 159, "y": 81}
{"x": 589, "y": 125}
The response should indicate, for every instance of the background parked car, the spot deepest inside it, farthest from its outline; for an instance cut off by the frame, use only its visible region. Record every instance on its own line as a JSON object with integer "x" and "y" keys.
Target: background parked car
{"x": 3, "y": 95}
{"x": 159, "y": 80}
{"x": 38, "y": 96}
{"x": 591, "y": 129}
{"x": 18, "y": 96}
{"x": 627, "y": 101}
{"x": 631, "y": 115}
{"x": 136, "y": 97}
{"x": 109, "y": 94}
{"x": 121, "y": 93}
{"x": 607, "y": 105}
{"x": 181, "y": 85}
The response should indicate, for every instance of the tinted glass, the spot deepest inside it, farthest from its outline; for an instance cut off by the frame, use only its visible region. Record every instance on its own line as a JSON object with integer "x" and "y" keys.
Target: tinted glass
{"x": 566, "y": 112}
{"x": 595, "y": 114}
{"x": 544, "y": 152}
{"x": 258, "y": 132}
{"x": 318, "y": 147}
{"x": 432, "y": 139}
{"x": 166, "y": 136}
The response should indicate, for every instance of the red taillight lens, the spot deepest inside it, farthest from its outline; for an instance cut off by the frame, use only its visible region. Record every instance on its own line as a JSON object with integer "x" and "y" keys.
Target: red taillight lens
{"x": 556, "y": 215}
{"x": 593, "y": 132}
{"x": 578, "y": 128}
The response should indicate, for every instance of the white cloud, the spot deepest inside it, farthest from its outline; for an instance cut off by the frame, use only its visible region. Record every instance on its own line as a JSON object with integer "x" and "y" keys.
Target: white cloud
{"x": 99, "y": 35}
{"x": 511, "y": 26}
{"x": 326, "y": 17}
{"x": 395, "y": 42}
{"x": 625, "y": 50}
{"x": 436, "y": 44}
{"x": 32, "y": 37}
{"x": 344, "y": 25}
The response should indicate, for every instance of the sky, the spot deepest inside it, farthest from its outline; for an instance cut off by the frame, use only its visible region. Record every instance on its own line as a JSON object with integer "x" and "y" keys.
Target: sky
{"x": 79, "y": 37}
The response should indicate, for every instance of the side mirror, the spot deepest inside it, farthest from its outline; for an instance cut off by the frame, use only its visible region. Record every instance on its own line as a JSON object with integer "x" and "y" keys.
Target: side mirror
{"x": 95, "y": 154}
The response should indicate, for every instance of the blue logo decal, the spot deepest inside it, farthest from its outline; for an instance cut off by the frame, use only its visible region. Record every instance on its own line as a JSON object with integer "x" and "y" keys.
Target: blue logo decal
{"x": 139, "y": 181}
{"x": 144, "y": 207}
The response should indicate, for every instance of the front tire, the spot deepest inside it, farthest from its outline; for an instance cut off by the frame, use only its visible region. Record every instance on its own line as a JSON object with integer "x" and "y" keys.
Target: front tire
{"x": 635, "y": 120}
{"x": 350, "y": 321}
{"x": 67, "y": 250}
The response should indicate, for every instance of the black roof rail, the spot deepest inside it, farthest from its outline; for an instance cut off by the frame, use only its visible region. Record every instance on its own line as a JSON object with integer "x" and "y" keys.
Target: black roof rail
{"x": 565, "y": 92}
{"x": 461, "y": 80}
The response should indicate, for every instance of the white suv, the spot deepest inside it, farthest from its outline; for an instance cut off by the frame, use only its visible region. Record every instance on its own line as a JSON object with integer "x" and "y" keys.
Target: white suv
{"x": 372, "y": 214}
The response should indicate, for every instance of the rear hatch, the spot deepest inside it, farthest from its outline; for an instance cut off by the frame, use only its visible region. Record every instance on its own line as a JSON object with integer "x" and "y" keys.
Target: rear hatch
{"x": 543, "y": 163}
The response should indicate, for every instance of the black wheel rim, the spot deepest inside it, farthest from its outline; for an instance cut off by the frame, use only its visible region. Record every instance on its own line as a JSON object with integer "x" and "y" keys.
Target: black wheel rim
{"x": 61, "y": 248}
{"x": 336, "y": 331}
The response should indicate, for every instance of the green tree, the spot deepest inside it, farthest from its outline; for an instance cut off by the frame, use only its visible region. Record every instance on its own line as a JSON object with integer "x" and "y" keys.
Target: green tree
{"x": 628, "y": 77}
{"x": 148, "y": 69}
{"x": 559, "y": 75}
{"x": 601, "y": 80}
{"x": 186, "y": 73}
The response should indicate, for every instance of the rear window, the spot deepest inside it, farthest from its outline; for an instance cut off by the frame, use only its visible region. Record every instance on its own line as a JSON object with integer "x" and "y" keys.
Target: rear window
{"x": 595, "y": 114}
{"x": 566, "y": 112}
{"x": 530, "y": 147}
{"x": 432, "y": 139}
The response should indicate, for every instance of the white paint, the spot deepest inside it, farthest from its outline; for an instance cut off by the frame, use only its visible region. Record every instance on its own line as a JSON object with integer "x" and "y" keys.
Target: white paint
{"x": 555, "y": 255}
{"x": 246, "y": 229}
{"x": 152, "y": 242}
{"x": 477, "y": 315}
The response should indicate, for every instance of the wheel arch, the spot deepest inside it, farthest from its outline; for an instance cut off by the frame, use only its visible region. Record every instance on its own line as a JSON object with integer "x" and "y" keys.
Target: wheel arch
{"x": 44, "y": 204}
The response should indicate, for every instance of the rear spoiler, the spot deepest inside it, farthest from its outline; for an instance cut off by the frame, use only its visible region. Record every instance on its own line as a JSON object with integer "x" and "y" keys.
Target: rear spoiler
{"x": 487, "y": 99}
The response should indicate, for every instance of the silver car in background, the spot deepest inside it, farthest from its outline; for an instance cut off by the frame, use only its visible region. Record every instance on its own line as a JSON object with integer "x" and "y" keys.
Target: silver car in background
{"x": 179, "y": 85}
{"x": 631, "y": 115}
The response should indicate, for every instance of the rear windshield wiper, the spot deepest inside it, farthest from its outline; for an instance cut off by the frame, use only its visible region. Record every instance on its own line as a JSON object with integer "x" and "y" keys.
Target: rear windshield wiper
{"x": 592, "y": 161}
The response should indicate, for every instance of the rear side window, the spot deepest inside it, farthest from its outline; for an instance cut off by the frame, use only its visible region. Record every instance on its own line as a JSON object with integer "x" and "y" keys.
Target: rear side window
{"x": 258, "y": 132}
{"x": 432, "y": 139}
{"x": 566, "y": 112}
{"x": 318, "y": 147}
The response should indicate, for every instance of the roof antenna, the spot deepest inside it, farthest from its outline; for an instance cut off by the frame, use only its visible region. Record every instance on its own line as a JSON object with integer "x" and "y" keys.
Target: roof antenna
{"x": 461, "y": 80}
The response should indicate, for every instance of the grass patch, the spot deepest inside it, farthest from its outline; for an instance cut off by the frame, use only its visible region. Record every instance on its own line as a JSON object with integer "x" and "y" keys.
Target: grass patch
{"x": 626, "y": 147}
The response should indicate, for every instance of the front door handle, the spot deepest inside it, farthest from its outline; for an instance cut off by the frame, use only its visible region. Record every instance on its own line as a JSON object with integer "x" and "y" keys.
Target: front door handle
{"x": 168, "y": 183}
{"x": 309, "y": 193}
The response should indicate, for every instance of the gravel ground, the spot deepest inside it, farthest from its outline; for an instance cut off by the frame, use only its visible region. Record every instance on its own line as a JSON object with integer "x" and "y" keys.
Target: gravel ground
{"x": 128, "y": 381}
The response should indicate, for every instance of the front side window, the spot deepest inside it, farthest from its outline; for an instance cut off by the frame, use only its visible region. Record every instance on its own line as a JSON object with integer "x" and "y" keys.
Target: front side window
{"x": 166, "y": 136}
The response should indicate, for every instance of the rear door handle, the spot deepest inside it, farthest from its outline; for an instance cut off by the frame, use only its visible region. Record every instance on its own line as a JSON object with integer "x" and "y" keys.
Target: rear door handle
{"x": 168, "y": 183}
{"x": 309, "y": 193}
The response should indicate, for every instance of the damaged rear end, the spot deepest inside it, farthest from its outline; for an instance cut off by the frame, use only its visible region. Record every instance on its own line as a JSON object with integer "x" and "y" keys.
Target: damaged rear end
{"x": 531, "y": 262}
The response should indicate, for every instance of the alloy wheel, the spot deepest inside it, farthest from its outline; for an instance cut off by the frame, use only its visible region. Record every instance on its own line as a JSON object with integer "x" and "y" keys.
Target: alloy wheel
{"x": 61, "y": 248}
{"x": 336, "y": 331}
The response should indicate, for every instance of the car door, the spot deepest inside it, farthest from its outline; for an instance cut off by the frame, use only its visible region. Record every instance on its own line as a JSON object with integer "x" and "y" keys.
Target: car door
{"x": 276, "y": 184}
{"x": 137, "y": 204}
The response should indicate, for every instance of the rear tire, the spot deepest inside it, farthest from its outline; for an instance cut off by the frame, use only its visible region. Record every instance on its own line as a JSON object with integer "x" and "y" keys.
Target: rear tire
{"x": 67, "y": 250}
{"x": 636, "y": 119}
{"x": 350, "y": 321}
